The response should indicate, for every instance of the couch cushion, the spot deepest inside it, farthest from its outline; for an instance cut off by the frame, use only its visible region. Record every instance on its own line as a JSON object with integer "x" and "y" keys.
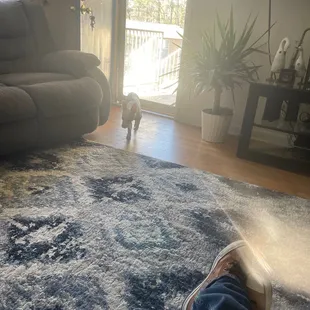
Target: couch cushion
{"x": 54, "y": 99}
{"x": 15, "y": 105}
{"x": 19, "y": 135}
{"x": 14, "y": 22}
{"x": 24, "y": 35}
{"x": 27, "y": 64}
{"x": 15, "y": 79}
{"x": 38, "y": 25}
{"x": 16, "y": 37}
{"x": 15, "y": 48}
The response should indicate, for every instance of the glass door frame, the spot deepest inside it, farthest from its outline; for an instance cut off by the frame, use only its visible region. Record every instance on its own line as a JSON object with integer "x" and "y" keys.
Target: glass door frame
{"x": 118, "y": 63}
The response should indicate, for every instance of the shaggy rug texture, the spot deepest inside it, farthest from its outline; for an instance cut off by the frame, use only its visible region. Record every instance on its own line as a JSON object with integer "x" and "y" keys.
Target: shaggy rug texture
{"x": 88, "y": 227}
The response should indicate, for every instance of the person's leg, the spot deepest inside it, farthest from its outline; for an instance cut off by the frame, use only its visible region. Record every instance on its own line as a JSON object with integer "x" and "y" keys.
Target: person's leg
{"x": 235, "y": 282}
{"x": 225, "y": 292}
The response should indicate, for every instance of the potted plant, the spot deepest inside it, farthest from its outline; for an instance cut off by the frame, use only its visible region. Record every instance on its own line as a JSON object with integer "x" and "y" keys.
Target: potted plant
{"x": 221, "y": 65}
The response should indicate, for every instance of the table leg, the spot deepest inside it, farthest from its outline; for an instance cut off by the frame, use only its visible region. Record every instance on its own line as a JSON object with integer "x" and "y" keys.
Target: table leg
{"x": 248, "y": 121}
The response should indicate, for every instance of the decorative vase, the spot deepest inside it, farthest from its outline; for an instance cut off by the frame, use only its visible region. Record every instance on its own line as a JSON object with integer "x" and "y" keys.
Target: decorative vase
{"x": 214, "y": 128}
{"x": 279, "y": 60}
{"x": 300, "y": 65}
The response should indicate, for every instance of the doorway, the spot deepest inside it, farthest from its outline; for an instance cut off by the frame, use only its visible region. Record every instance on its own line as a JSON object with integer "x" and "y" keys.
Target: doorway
{"x": 153, "y": 40}
{"x": 139, "y": 45}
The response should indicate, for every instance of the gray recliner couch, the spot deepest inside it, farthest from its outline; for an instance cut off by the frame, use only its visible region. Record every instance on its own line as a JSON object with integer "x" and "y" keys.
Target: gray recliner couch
{"x": 46, "y": 95}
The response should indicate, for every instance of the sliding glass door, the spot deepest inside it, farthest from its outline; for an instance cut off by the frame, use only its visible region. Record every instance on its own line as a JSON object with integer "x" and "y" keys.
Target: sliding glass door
{"x": 153, "y": 37}
{"x": 139, "y": 45}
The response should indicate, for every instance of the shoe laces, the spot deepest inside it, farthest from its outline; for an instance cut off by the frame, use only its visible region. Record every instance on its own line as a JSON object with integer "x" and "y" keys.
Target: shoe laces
{"x": 235, "y": 269}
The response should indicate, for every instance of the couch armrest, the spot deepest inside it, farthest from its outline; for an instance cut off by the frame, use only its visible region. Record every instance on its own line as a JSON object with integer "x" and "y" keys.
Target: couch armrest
{"x": 105, "y": 106}
{"x": 71, "y": 62}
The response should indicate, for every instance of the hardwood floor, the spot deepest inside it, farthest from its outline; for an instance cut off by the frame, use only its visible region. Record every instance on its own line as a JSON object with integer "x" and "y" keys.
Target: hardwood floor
{"x": 168, "y": 140}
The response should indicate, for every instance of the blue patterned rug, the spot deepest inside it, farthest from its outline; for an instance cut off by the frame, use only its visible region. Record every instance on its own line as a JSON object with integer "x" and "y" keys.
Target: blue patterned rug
{"x": 88, "y": 227}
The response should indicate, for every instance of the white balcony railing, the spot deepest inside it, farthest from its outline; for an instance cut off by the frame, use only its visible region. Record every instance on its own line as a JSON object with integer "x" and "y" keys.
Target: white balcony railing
{"x": 147, "y": 71}
{"x": 148, "y": 65}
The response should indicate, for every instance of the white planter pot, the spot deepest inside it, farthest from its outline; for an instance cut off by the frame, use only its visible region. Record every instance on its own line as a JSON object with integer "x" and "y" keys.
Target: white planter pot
{"x": 215, "y": 127}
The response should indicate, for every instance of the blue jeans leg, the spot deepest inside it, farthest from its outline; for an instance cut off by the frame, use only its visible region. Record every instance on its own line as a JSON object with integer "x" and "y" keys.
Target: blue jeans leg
{"x": 224, "y": 293}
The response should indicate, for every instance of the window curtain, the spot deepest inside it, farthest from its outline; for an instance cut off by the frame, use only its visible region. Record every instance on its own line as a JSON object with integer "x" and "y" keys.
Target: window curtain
{"x": 98, "y": 40}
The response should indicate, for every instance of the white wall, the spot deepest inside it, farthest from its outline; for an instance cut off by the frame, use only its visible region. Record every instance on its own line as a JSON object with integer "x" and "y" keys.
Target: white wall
{"x": 292, "y": 18}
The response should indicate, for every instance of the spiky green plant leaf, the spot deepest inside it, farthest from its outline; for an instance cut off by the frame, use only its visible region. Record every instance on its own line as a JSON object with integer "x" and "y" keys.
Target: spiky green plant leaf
{"x": 224, "y": 65}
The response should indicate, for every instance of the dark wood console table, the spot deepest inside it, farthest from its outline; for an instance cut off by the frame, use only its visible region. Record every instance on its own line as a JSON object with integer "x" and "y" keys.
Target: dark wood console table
{"x": 295, "y": 156}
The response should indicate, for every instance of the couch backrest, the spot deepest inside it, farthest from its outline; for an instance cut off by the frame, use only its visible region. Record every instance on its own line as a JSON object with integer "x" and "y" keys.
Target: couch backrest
{"x": 24, "y": 35}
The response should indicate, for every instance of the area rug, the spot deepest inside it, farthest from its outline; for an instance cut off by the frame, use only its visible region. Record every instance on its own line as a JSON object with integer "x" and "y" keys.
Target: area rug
{"x": 89, "y": 227}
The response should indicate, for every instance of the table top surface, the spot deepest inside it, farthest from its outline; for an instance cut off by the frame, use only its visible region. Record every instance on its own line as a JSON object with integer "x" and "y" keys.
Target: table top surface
{"x": 278, "y": 87}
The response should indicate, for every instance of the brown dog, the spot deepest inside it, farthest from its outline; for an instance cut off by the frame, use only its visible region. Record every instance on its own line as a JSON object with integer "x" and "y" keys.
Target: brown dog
{"x": 131, "y": 111}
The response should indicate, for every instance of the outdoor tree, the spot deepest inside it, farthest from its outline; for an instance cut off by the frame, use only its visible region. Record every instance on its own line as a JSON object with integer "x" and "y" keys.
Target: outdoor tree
{"x": 157, "y": 11}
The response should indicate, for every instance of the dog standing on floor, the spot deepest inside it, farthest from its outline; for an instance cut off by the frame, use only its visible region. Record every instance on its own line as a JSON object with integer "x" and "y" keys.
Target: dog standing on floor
{"x": 131, "y": 111}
